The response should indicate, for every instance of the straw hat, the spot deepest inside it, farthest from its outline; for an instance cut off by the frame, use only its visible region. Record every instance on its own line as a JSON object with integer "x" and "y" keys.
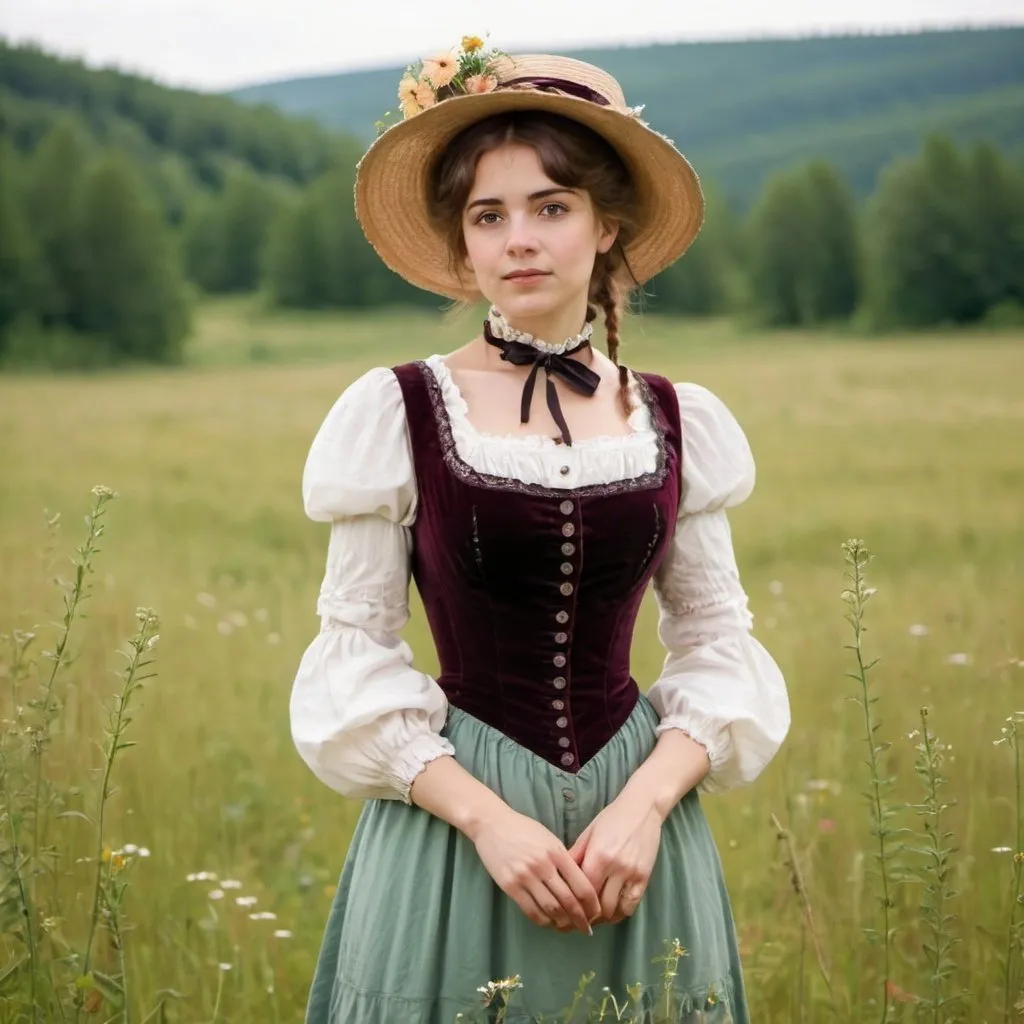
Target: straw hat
{"x": 392, "y": 179}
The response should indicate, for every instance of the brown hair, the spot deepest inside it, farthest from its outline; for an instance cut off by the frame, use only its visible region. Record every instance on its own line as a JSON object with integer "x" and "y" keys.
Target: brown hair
{"x": 573, "y": 156}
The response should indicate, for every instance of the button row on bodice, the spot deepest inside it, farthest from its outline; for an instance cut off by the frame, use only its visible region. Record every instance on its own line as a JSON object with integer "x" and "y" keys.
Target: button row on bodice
{"x": 566, "y": 589}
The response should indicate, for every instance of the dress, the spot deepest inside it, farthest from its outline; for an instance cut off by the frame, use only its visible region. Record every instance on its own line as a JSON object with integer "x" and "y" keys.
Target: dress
{"x": 531, "y": 559}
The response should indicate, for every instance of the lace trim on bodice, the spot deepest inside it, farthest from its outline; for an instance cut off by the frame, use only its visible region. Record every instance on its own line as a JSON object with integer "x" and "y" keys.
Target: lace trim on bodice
{"x": 468, "y": 475}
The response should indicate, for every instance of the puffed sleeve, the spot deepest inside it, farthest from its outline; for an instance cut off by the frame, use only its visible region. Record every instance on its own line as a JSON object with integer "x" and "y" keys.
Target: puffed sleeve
{"x": 718, "y": 684}
{"x": 363, "y": 719}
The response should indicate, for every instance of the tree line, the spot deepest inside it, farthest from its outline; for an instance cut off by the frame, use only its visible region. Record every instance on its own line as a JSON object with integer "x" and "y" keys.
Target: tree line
{"x": 93, "y": 269}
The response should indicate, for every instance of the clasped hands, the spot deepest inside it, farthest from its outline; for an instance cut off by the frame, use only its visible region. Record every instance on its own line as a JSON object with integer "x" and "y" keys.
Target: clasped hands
{"x": 601, "y": 879}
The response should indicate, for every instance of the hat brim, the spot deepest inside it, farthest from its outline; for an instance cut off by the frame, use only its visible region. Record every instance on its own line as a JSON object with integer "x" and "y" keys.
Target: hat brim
{"x": 392, "y": 182}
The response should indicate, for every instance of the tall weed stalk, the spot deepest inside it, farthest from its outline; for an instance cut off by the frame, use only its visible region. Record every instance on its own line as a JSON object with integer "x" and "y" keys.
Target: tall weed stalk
{"x": 881, "y": 811}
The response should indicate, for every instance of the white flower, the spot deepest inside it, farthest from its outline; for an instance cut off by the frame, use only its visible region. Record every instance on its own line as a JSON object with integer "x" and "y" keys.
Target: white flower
{"x": 918, "y": 629}
{"x": 775, "y": 587}
{"x": 202, "y": 876}
{"x": 1002, "y": 849}
{"x": 143, "y": 851}
{"x": 206, "y": 600}
{"x": 231, "y": 883}
{"x": 129, "y": 848}
{"x": 282, "y": 933}
{"x": 263, "y": 915}
{"x": 152, "y": 641}
{"x": 224, "y": 967}
{"x": 959, "y": 658}
{"x": 246, "y": 901}
{"x": 216, "y": 894}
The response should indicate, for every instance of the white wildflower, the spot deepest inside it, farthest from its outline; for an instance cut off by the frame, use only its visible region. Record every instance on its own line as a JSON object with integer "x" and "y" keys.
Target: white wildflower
{"x": 1002, "y": 849}
{"x": 263, "y": 915}
{"x": 918, "y": 629}
{"x": 224, "y": 967}
{"x": 143, "y": 851}
{"x": 129, "y": 848}
{"x": 958, "y": 658}
{"x": 282, "y": 933}
{"x": 775, "y": 587}
{"x": 231, "y": 883}
{"x": 246, "y": 901}
{"x": 216, "y": 894}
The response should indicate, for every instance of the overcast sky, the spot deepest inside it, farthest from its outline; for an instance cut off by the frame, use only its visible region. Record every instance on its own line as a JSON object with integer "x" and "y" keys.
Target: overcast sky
{"x": 221, "y": 43}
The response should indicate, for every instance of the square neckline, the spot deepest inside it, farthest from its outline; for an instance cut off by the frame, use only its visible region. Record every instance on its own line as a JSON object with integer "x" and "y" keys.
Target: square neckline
{"x": 639, "y": 431}
{"x": 467, "y": 474}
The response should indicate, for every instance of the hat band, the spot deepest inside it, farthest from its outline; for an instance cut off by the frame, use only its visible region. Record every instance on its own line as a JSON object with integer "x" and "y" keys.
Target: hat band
{"x": 581, "y": 92}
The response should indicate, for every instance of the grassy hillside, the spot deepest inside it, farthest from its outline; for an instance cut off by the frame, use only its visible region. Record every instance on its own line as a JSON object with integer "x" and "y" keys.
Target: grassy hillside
{"x": 744, "y": 109}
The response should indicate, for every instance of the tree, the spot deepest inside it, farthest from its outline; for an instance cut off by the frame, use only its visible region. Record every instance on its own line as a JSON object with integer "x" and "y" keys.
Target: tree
{"x": 21, "y": 271}
{"x": 132, "y": 291}
{"x": 248, "y": 208}
{"x": 804, "y": 250}
{"x": 999, "y": 225}
{"x": 925, "y": 265}
{"x": 51, "y": 194}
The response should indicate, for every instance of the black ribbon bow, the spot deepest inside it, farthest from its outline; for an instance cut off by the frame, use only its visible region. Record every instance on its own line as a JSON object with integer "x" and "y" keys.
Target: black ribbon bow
{"x": 571, "y": 371}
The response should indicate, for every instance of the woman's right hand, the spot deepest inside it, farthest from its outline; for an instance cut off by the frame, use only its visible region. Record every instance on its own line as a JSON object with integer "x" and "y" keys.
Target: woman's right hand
{"x": 531, "y": 866}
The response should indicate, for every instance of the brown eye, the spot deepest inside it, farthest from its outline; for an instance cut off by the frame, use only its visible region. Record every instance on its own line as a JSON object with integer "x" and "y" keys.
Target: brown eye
{"x": 554, "y": 209}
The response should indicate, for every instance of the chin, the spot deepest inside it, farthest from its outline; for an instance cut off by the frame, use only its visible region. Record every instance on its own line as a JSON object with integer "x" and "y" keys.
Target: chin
{"x": 527, "y": 306}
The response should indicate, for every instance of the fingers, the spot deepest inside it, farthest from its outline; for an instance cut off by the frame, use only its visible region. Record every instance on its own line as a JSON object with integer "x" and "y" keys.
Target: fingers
{"x": 535, "y": 910}
{"x": 610, "y": 895}
{"x": 581, "y": 886}
{"x": 549, "y": 909}
{"x": 569, "y": 903}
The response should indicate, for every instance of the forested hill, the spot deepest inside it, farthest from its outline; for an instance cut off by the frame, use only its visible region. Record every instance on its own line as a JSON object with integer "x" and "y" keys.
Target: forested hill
{"x": 184, "y": 142}
{"x": 742, "y": 110}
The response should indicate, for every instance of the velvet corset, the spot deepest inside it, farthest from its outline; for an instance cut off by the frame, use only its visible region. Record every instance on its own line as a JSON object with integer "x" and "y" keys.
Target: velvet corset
{"x": 532, "y": 593}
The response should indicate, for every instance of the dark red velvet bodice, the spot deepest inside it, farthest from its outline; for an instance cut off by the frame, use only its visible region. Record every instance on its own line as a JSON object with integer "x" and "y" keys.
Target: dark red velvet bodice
{"x": 532, "y": 593}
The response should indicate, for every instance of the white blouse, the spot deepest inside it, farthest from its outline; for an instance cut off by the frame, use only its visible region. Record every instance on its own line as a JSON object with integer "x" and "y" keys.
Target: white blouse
{"x": 367, "y": 722}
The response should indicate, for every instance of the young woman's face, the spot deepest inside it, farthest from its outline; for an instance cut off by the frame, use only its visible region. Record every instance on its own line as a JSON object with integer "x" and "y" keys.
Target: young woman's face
{"x": 530, "y": 242}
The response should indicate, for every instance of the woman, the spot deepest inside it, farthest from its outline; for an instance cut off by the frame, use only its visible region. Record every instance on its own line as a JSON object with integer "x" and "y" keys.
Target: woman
{"x": 529, "y": 812}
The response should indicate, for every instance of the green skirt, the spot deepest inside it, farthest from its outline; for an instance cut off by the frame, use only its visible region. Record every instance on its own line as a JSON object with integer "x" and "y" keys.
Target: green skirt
{"x": 418, "y": 928}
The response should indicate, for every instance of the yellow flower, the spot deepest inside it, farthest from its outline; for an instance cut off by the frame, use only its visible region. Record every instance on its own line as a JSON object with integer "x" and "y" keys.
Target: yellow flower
{"x": 440, "y": 70}
{"x": 425, "y": 95}
{"x": 407, "y": 96}
{"x": 481, "y": 83}
{"x": 472, "y": 43}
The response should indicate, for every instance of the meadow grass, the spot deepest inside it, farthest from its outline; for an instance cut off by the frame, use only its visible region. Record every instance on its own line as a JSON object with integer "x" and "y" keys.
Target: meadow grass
{"x": 913, "y": 443}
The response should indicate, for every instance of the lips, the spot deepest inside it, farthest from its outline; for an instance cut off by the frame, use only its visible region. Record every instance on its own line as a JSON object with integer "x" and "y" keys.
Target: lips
{"x": 519, "y": 275}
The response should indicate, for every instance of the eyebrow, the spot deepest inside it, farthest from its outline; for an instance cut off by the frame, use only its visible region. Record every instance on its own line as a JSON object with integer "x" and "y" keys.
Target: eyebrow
{"x": 533, "y": 197}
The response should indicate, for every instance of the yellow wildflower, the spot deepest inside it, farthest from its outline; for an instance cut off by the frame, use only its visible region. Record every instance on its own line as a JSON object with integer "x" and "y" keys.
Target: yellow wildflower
{"x": 440, "y": 70}
{"x": 470, "y": 44}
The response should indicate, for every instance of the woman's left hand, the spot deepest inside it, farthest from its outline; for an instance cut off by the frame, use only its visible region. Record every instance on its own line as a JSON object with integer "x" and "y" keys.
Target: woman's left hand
{"x": 617, "y": 852}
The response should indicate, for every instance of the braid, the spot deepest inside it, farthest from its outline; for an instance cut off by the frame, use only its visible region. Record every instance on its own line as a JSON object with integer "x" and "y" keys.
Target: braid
{"x": 606, "y": 293}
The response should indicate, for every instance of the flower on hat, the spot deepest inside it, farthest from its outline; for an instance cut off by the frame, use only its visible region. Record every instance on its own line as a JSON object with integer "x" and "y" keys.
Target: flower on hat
{"x": 470, "y": 44}
{"x": 407, "y": 96}
{"x": 480, "y": 83}
{"x": 425, "y": 95}
{"x": 441, "y": 69}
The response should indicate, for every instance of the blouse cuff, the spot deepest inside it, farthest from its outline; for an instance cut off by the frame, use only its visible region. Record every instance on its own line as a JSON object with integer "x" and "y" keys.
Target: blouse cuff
{"x": 708, "y": 733}
{"x": 407, "y": 763}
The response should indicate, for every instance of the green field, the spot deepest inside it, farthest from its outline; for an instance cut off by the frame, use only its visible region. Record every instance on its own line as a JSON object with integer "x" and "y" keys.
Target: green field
{"x": 913, "y": 444}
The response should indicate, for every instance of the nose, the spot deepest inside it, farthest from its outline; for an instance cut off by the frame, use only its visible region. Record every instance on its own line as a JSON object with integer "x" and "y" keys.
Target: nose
{"x": 522, "y": 239}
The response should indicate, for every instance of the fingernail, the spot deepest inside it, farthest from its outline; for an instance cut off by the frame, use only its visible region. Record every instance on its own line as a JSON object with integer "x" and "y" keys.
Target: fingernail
{"x": 590, "y": 931}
